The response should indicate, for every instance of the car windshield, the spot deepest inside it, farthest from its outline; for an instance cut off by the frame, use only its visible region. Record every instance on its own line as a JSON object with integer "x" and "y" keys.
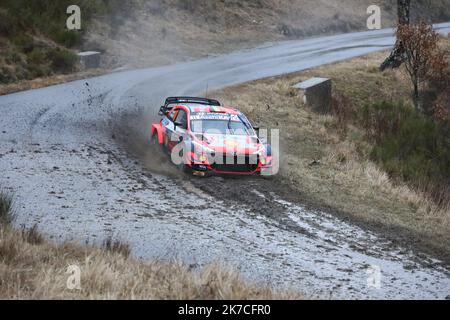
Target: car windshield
{"x": 219, "y": 127}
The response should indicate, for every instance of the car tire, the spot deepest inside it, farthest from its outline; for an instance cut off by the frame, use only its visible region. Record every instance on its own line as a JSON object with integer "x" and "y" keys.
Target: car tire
{"x": 154, "y": 143}
{"x": 154, "y": 140}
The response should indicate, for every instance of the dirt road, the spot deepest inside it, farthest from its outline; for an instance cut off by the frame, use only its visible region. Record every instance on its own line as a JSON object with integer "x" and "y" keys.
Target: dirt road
{"x": 76, "y": 159}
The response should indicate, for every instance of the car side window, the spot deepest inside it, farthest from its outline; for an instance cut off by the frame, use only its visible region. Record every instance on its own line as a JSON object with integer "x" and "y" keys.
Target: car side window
{"x": 182, "y": 118}
{"x": 172, "y": 115}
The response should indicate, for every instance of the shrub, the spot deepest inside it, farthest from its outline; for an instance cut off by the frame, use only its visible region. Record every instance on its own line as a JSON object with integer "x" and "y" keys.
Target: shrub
{"x": 32, "y": 236}
{"x": 37, "y": 56}
{"x": 6, "y": 75}
{"x": 7, "y": 25}
{"x": 343, "y": 109}
{"x": 382, "y": 119}
{"x": 69, "y": 39}
{"x": 437, "y": 103}
{"x": 62, "y": 60}
{"x": 408, "y": 144}
{"x": 6, "y": 209}
{"x": 24, "y": 42}
{"x": 116, "y": 246}
{"x": 441, "y": 109}
{"x": 36, "y": 71}
{"x": 422, "y": 54}
{"x": 38, "y": 65}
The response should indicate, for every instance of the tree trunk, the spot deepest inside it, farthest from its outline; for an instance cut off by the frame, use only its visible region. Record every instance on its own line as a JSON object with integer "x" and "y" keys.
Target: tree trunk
{"x": 403, "y": 8}
{"x": 416, "y": 94}
{"x": 396, "y": 57}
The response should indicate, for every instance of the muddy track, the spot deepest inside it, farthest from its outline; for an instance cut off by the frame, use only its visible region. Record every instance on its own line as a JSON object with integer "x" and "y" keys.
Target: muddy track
{"x": 78, "y": 160}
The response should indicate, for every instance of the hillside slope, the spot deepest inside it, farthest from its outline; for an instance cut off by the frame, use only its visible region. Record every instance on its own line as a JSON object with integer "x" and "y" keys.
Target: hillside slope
{"x": 34, "y": 42}
{"x": 165, "y": 31}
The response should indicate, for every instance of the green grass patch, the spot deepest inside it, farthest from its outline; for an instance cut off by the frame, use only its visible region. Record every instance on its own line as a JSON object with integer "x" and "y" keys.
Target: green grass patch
{"x": 408, "y": 144}
{"x": 62, "y": 61}
{"x": 29, "y": 25}
{"x": 6, "y": 209}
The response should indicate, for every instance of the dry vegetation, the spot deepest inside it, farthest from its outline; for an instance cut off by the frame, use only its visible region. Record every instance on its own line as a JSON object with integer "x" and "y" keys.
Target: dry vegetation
{"x": 138, "y": 33}
{"x": 345, "y": 180}
{"x": 33, "y": 268}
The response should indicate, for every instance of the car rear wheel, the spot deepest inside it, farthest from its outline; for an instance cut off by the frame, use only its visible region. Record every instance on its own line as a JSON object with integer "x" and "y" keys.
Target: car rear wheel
{"x": 154, "y": 143}
{"x": 154, "y": 140}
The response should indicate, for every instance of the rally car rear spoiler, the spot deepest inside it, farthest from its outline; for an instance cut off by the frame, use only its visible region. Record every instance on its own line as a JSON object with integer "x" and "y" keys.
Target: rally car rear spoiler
{"x": 165, "y": 109}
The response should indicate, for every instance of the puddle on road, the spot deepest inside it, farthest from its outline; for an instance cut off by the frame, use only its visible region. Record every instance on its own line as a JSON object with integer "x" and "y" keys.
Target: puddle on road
{"x": 353, "y": 260}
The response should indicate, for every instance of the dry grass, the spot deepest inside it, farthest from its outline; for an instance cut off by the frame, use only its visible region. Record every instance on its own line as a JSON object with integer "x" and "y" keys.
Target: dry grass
{"x": 116, "y": 246}
{"x": 346, "y": 180}
{"x": 33, "y": 268}
{"x": 37, "y": 270}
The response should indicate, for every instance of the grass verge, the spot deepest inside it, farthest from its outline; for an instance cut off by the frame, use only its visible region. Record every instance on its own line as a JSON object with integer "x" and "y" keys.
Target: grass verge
{"x": 33, "y": 268}
{"x": 331, "y": 164}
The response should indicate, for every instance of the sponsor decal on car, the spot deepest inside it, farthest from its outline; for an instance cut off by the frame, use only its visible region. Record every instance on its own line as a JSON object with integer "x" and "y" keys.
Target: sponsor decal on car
{"x": 231, "y": 144}
{"x": 215, "y": 116}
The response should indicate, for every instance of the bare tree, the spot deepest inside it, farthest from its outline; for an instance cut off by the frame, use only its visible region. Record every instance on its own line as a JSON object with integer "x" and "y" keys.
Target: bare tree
{"x": 421, "y": 54}
{"x": 397, "y": 56}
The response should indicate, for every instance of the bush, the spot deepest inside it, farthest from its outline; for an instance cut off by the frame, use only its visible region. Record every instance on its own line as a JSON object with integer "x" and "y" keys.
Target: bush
{"x": 116, "y": 246}
{"x": 24, "y": 42}
{"x": 24, "y": 22}
{"x": 437, "y": 103}
{"x": 36, "y": 71}
{"x": 408, "y": 144}
{"x": 32, "y": 236}
{"x": 7, "y": 25}
{"x": 6, "y": 75}
{"x": 62, "y": 60}
{"x": 38, "y": 65}
{"x": 423, "y": 57}
{"x": 69, "y": 39}
{"x": 383, "y": 119}
{"x": 37, "y": 56}
{"x": 13, "y": 57}
{"x": 6, "y": 209}
{"x": 343, "y": 109}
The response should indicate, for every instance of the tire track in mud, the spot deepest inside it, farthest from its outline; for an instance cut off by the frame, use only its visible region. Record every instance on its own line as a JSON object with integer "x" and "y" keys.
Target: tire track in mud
{"x": 257, "y": 194}
{"x": 330, "y": 250}
{"x": 327, "y": 249}
{"x": 236, "y": 190}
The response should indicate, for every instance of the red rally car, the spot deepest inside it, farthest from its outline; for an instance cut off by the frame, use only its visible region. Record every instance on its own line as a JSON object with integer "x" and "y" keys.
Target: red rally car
{"x": 202, "y": 136}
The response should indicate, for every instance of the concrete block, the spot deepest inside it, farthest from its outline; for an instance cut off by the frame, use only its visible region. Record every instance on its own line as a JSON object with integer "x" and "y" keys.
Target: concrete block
{"x": 90, "y": 59}
{"x": 316, "y": 93}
